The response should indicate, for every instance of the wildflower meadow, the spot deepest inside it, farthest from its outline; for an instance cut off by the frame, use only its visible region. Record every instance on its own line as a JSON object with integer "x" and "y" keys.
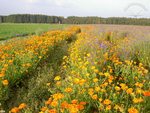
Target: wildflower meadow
{"x": 80, "y": 69}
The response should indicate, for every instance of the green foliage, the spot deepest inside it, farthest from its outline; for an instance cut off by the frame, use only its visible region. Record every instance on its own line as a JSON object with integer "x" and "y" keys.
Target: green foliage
{"x": 9, "y": 30}
{"x": 31, "y": 18}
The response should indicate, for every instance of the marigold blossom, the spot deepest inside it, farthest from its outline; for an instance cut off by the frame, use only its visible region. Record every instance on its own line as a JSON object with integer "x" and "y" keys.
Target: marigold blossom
{"x": 107, "y": 102}
{"x": 68, "y": 90}
{"x": 5, "y": 82}
{"x": 133, "y": 110}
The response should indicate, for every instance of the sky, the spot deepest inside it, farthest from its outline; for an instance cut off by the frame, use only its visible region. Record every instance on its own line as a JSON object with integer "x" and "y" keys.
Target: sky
{"x": 82, "y": 8}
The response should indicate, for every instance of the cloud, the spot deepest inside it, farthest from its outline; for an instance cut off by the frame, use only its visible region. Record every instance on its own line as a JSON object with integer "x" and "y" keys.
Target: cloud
{"x": 63, "y": 2}
{"x": 24, "y": 1}
{"x": 30, "y": 1}
{"x": 27, "y": 7}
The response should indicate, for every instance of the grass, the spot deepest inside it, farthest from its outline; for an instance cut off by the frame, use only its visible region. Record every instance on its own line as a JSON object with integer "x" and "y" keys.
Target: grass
{"x": 12, "y": 30}
{"x": 102, "y": 69}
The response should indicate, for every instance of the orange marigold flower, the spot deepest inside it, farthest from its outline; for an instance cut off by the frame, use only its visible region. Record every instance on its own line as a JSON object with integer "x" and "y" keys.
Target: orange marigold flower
{"x": 137, "y": 83}
{"x": 120, "y": 78}
{"x": 103, "y": 90}
{"x": 138, "y": 90}
{"x": 90, "y": 93}
{"x": 146, "y": 93}
{"x": 28, "y": 64}
{"x": 58, "y": 83}
{"x": 117, "y": 88}
{"x": 94, "y": 97}
{"x": 73, "y": 108}
{"x": 64, "y": 57}
{"x": 49, "y": 101}
{"x": 1, "y": 75}
{"x": 106, "y": 74}
{"x": 108, "y": 107}
{"x": 109, "y": 66}
{"x": 97, "y": 88}
{"x": 48, "y": 84}
{"x": 52, "y": 111}
{"x": 64, "y": 66}
{"x": 122, "y": 85}
{"x": 91, "y": 89}
{"x": 64, "y": 105}
{"x": 83, "y": 90}
{"x": 107, "y": 101}
{"x": 57, "y": 78}
{"x": 133, "y": 110}
{"x": 140, "y": 99}
{"x": 83, "y": 103}
{"x": 5, "y": 65}
{"x": 72, "y": 72}
{"x": 104, "y": 69}
{"x": 23, "y": 65}
{"x": 140, "y": 85}
{"x": 5, "y": 82}
{"x": 89, "y": 55}
{"x": 2, "y": 72}
{"x": 93, "y": 67}
{"x": 87, "y": 74}
{"x": 80, "y": 107}
{"x": 22, "y": 105}
{"x": 96, "y": 70}
{"x": 68, "y": 90}
{"x": 43, "y": 108}
{"x": 101, "y": 108}
{"x": 3, "y": 69}
{"x": 74, "y": 101}
{"x": 130, "y": 90}
{"x": 116, "y": 107}
{"x": 95, "y": 79}
{"x": 62, "y": 110}
{"x": 54, "y": 103}
{"x": 58, "y": 96}
{"x": 144, "y": 80}
{"x": 14, "y": 109}
{"x": 106, "y": 83}
{"x": 135, "y": 100}
{"x": 76, "y": 80}
{"x": 100, "y": 99}
{"x": 100, "y": 73}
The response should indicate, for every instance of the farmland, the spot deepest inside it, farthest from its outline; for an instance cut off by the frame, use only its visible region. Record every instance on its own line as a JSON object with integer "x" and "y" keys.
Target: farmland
{"x": 78, "y": 69}
{"x": 11, "y": 30}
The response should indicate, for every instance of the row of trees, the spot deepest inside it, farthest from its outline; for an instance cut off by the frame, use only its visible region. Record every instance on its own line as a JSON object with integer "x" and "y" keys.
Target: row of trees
{"x": 28, "y": 18}
{"x": 111, "y": 20}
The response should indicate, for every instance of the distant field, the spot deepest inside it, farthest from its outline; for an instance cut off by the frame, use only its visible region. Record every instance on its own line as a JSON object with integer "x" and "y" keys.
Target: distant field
{"x": 11, "y": 30}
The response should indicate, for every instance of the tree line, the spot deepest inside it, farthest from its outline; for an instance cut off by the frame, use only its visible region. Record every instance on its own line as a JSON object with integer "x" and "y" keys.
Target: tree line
{"x": 30, "y": 18}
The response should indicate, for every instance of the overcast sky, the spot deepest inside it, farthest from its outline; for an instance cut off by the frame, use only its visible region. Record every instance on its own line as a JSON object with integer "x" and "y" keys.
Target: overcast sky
{"x": 100, "y": 8}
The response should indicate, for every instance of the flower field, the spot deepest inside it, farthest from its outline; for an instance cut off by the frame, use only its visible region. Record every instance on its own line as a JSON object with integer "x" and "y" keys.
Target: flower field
{"x": 104, "y": 70}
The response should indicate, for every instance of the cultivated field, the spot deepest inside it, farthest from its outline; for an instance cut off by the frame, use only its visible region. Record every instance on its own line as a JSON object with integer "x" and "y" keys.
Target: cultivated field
{"x": 12, "y": 30}
{"x": 80, "y": 69}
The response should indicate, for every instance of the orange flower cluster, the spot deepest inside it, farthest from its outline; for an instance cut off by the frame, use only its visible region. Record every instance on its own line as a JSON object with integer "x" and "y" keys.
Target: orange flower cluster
{"x": 98, "y": 73}
{"x": 14, "y": 110}
{"x": 74, "y": 107}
